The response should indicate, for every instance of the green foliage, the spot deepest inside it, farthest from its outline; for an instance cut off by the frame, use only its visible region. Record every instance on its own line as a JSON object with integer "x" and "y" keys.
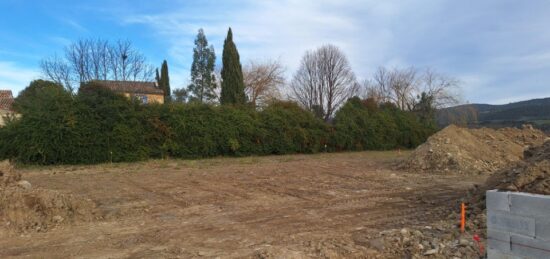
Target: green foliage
{"x": 180, "y": 95}
{"x": 45, "y": 132}
{"x": 163, "y": 81}
{"x": 98, "y": 126}
{"x": 360, "y": 125}
{"x": 203, "y": 79}
{"x": 232, "y": 91}
{"x": 28, "y": 97}
{"x": 95, "y": 126}
{"x": 111, "y": 126}
{"x": 288, "y": 128}
{"x": 425, "y": 110}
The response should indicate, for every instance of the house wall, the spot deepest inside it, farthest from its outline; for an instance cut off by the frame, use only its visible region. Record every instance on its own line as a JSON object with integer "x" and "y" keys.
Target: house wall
{"x": 151, "y": 98}
{"x": 4, "y": 113}
{"x": 154, "y": 98}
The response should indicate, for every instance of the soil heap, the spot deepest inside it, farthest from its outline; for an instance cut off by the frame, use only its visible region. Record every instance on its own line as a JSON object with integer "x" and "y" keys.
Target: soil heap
{"x": 443, "y": 239}
{"x": 24, "y": 208}
{"x": 530, "y": 175}
{"x": 472, "y": 151}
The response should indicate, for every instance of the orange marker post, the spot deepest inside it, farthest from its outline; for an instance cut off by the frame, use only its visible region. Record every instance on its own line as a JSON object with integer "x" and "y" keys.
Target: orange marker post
{"x": 462, "y": 217}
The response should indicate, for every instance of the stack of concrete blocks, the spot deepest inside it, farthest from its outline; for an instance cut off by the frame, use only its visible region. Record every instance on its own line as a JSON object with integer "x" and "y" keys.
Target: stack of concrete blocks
{"x": 518, "y": 225}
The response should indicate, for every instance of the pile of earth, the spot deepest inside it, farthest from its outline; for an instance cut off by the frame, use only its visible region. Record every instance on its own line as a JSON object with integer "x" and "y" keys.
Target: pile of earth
{"x": 443, "y": 239}
{"x": 24, "y": 208}
{"x": 530, "y": 175}
{"x": 472, "y": 151}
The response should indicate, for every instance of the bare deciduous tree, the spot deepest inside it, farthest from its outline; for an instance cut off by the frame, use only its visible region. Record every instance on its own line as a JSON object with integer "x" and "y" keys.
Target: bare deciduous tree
{"x": 58, "y": 71}
{"x": 404, "y": 86}
{"x": 324, "y": 81}
{"x": 444, "y": 89}
{"x": 262, "y": 81}
{"x": 89, "y": 59}
{"x": 397, "y": 86}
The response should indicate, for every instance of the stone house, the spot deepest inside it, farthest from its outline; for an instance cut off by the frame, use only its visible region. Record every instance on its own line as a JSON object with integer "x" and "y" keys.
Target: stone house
{"x": 145, "y": 92}
{"x": 6, "y": 102}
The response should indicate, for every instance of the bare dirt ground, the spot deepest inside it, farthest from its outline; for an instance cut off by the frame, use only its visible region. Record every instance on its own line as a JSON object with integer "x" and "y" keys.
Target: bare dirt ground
{"x": 324, "y": 205}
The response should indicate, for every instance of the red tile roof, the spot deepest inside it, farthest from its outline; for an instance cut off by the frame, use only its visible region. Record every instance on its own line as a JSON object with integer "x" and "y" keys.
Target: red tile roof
{"x": 6, "y": 100}
{"x": 134, "y": 87}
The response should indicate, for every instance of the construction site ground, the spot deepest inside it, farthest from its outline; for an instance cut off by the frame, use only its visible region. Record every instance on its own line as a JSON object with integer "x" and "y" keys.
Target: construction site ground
{"x": 276, "y": 206}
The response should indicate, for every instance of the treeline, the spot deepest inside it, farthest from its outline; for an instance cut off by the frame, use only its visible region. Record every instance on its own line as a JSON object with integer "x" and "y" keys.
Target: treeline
{"x": 96, "y": 126}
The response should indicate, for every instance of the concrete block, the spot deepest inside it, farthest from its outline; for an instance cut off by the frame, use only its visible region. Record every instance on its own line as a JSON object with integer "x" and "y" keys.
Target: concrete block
{"x": 495, "y": 254}
{"x": 530, "y": 247}
{"x": 542, "y": 228}
{"x": 529, "y": 204}
{"x": 503, "y": 221}
{"x": 498, "y": 240}
{"x": 498, "y": 200}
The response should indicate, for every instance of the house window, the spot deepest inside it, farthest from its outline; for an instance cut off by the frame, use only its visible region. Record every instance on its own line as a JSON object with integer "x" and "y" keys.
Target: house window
{"x": 142, "y": 98}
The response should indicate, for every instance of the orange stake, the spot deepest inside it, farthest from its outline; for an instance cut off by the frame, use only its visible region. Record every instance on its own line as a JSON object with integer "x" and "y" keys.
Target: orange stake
{"x": 462, "y": 217}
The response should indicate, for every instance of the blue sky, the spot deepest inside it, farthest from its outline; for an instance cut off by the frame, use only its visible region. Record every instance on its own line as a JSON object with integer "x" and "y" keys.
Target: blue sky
{"x": 499, "y": 49}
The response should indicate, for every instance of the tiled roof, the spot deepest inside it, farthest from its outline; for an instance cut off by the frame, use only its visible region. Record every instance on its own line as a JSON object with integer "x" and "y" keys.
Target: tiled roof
{"x": 6, "y": 100}
{"x": 131, "y": 87}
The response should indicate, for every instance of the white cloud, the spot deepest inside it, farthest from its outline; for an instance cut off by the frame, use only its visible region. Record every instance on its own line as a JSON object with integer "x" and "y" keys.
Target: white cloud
{"x": 498, "y": 49}
{"x": 14, "y": 77}
{"x": 281, "y": 30}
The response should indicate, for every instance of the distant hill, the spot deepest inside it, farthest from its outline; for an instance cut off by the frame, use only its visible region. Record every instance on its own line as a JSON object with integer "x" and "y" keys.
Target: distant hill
{"x": 535, "y": 111}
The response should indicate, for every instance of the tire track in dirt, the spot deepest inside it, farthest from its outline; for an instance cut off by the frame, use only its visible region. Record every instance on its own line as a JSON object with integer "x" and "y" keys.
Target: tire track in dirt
{"x": 227, "y": 207}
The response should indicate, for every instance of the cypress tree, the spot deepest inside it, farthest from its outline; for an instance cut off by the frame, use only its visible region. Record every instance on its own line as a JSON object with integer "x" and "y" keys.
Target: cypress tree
{"x": 203, "y": 80}
{"x": 232, "y": 75}
{"x": 164, "y": 81}
{"x": 157, "y": 76}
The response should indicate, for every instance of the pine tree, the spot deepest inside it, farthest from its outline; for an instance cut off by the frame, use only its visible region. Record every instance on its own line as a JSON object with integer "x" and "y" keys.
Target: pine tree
{"x": 232, "y": 76}
{"x": 164, "y": 81}
{"x": 203, "y": 79}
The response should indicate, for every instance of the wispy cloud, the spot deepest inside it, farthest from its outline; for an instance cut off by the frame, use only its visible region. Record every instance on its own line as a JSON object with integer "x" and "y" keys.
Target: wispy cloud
{"x": 15, "y": 78}
{"x": 61, "y": 41}
{"x": 74, "y": 25}
{"x": 501, "y": 49}
{"x": 282, "y": 29}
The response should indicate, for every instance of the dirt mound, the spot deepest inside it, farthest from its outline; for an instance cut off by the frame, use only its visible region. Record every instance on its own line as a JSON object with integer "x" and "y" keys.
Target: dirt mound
{"x": 476, "y": 151}
{"x": 24, "y": 208}
{"x": 531, "y": 175}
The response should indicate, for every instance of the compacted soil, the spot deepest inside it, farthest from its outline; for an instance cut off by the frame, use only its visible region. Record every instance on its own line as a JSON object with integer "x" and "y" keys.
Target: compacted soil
{"x": 294, "y": 206}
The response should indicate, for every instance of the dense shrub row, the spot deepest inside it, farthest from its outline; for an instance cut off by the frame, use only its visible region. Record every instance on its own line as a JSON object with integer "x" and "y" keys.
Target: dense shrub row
{"x": 360, "y": 125}
{"x": 98, "y": 126}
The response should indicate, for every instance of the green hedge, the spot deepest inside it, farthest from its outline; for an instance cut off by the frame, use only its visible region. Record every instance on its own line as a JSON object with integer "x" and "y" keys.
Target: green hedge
{"x": 97, "y": 126}
{"x": 359, "y": 126}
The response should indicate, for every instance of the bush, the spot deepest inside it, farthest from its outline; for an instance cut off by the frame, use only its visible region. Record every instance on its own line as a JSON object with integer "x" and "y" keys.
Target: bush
{"x": 31, "y": 94}
{"x": 288, "y": 129}
{"x": 110, "y": 126}
{"x": 97, "y": 126}
{"x": 360, "y": 126}
{"x": 45, "y": 133}
{"x": 93, "y": 127}
{"x": 200, "y": 130}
